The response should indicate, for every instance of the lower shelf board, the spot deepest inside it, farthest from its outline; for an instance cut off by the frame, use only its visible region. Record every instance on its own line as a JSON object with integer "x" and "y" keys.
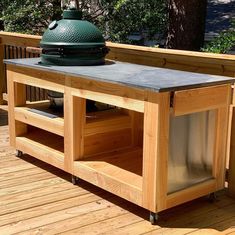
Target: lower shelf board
{"x": 43, "y": 145}
{"x": 118, "y": 172}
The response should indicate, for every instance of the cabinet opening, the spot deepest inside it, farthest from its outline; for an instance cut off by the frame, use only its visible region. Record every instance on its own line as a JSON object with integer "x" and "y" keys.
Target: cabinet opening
{"x": 113, "y": 148}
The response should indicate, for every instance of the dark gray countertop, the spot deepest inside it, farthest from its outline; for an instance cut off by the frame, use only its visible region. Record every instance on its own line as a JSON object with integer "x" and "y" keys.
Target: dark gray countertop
{"x": 131, "y": 75}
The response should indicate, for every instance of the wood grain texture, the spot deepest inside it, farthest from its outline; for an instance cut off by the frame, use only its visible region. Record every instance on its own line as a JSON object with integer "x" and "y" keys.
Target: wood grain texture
{"x": 74, "y": 123}
{"x": 18, "y": 39}
{"x": 155, "y": 151}
{"x": 2, "y": 73}
{"x": 221, "y": 143}
{"x": 117, "y": 172}
{"x": 191, "y": 193}
{"x": 44, "y": 146}
{"x": 54, "y": 125}
{"x": 113, "y": 94}
{"x": 16, "y": 98}
{"x": 38, "y": 78}
{"x": 200, "y": 99}
{"x": 231, "y": 175}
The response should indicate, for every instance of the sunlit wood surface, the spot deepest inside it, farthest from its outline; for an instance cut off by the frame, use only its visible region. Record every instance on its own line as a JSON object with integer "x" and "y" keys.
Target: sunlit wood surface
{"x": 36, "y": 198}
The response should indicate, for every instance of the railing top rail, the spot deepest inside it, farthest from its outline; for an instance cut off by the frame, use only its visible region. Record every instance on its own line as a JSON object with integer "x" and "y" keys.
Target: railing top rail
{"x": 124, "y": 52}
{"x": 35, "y": 39}
{"x": 171, "y": 52}
{"x": 19, "y": 39}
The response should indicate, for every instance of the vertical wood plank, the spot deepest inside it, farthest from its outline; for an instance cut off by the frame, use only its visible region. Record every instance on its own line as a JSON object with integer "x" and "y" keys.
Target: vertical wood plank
{"x": 11, "y": 106}
{"x": 137, "y": 128}
{"x": 2, "y": 73}
{"x": 155, "y": 151}
{"x": 74, "y": 122}
{"x": 222, "y": 125}
{"x": 231, "y": 175}
{"x": 16, "y": 97}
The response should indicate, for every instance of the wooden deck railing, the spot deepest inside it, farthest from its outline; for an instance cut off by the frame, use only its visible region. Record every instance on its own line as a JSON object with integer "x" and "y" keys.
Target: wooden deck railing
{"x": 14, "y": 45}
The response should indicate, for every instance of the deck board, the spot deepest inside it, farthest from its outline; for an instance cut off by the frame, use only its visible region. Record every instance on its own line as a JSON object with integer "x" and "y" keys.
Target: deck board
{"x": 36, "y": 198}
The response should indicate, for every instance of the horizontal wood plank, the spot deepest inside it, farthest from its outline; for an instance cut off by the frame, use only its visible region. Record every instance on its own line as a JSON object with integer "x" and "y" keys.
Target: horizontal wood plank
{"x": 54, "y": 125}
{"x": 122, "y": 102}
{"x": 117, "y": 172}
{"x": 44, "y": 146}
{"x": 37, "y": 78}
{"x": 202, "y": 99}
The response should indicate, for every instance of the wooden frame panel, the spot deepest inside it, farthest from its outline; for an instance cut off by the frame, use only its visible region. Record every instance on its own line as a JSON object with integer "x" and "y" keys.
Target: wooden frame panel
{"x": 2, "y": 72}
{"x": 75, "y": 119}
{"x": 221, "y": 145}
{"x": 16, "y": 98}
{"x": 115, "y": 90}
{"x": 38, "y": 78}
{"x": 122, "y": 102}
{"x": 231, "y": 146}
{"x": 191, "y": 193}
{"x": 200, "y": 99}
{"x": 129, "y": 192}
{"x": 54, "y": 125}
{"x": 40, "y": 152}
{"x": 220, "y": 152}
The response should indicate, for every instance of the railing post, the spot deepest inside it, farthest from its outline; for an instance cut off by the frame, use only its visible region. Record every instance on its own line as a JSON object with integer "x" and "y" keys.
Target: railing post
{"x": 2, "y": 73}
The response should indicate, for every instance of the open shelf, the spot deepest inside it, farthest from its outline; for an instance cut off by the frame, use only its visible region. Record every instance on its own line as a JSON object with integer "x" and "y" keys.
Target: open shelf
{"x": 119, "y": 172}
{"x": 43, "y": 145}
{"x": 39, "y": 114}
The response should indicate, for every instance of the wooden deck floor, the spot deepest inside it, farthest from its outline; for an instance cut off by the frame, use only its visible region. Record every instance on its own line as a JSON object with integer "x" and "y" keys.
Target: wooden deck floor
{"x": 36, "y": 198}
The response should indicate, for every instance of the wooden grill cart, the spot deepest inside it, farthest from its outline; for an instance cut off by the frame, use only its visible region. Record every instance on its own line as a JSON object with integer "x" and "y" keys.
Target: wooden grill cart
{"x": 161, "y": 142}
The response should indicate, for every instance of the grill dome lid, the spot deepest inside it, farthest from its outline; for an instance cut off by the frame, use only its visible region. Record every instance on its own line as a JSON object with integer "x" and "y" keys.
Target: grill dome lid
{"x": 72, "y": 31}
{"x": 72, "y": 41}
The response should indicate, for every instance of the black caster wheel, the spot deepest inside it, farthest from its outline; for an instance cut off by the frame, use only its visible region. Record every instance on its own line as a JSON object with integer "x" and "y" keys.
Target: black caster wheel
{"x": 75, "y": 180}
{"x": 19, "y": 153}
{"x": 212, "y": 197}
{"x": 153, "y": 217}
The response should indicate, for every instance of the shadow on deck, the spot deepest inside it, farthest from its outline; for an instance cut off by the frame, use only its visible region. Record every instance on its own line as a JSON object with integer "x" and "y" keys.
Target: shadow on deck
{"x": 36, "y": 198}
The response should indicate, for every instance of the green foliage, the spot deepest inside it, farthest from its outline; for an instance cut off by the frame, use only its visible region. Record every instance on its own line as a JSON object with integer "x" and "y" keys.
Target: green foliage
{"x": 127, "y": 16}
{"x": 223, "y": 43}
{"x": 28, "y": 16}
{"x": 116, "y": 18}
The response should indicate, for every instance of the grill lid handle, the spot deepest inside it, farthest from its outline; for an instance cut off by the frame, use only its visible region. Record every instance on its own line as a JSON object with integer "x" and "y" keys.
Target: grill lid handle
{"x": 52, "y": 25}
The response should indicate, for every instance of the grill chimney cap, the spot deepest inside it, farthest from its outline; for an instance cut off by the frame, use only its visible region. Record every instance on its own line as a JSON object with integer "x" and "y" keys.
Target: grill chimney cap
{"x": 72, "y": 14}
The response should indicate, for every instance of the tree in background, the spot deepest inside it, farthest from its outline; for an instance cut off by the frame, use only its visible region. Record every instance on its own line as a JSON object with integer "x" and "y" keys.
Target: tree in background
{"x": 186, "y": 24}
{"x": 29, "y": 16}
{"x": 119, "y": 18}
{"x": 140, "y": 16}
{"x": 116, "y": 18}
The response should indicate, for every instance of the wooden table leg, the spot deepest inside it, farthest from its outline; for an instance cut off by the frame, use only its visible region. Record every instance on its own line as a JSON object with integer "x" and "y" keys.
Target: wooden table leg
{"x": 155, "y": 151}
{"x": 2, "y": 73}
{"x": 16, "y": 97}
{"x": 231, "y": 175}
